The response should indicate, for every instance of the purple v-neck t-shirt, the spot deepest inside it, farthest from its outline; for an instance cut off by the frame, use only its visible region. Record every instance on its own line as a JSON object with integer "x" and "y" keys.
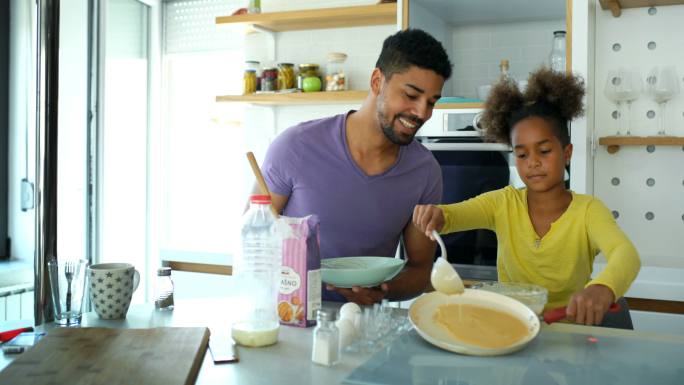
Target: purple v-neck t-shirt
{"x": 359, "y": 214}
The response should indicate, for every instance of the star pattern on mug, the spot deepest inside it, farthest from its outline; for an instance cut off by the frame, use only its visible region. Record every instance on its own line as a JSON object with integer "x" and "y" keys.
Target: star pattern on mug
{"x": 111, "y": 292}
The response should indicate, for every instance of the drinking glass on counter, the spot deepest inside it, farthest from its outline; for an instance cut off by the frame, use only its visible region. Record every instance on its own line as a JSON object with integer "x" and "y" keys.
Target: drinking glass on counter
{"x": 661, "y": 86}
{"x": 379, "y": 325}
{"x": 67, "y": 283}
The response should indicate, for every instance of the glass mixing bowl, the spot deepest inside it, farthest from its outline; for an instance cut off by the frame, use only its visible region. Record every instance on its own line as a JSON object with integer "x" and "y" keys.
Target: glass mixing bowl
{"x": 534, "y": 296}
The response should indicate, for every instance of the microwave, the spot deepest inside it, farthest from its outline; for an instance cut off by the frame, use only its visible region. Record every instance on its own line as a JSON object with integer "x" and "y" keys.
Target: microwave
{"x": 452, "y": 122}
{"x": 456, "y": 129}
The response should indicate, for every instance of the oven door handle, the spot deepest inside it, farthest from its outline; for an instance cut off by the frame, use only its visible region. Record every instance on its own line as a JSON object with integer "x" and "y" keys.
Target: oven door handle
{"x": 467, "y": 147}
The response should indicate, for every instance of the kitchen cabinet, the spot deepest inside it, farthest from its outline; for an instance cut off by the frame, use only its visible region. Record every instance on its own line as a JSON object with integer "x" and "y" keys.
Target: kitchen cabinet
{"x": 479, "y": 34}
{"x": 340, "y": 17}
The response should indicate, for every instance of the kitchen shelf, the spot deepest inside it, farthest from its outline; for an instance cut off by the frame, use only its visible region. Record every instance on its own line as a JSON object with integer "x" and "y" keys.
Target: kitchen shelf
{"x": 342, "y": 17}
{"x": 451, "y": 106}
{"x": 615, "y": 6}
{"x": 613, "y": 143}
{"x": 298, "y": 98}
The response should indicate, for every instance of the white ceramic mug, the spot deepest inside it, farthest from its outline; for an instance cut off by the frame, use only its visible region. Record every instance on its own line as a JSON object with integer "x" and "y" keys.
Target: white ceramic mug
{"x": 111, "y": 288}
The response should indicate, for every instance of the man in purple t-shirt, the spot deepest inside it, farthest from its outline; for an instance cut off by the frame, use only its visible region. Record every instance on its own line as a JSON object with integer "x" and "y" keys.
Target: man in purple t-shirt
{"x": 362, "y": 172}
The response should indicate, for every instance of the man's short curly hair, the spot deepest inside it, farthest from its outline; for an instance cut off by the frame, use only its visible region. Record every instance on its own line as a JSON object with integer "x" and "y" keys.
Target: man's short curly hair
{"x": 550, "y": 95}
{"x": 413, "y": 47}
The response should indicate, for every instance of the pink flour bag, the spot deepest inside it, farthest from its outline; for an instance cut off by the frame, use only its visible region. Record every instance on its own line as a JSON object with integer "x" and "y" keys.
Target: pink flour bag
{"x": 299, "y": 295}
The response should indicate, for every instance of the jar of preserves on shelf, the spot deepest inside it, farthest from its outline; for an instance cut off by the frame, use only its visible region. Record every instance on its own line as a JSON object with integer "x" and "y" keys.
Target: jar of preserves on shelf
{"x": 335, "y": 76}
{"x": 286, "y": 76}
{"x": 256, "y": 66}
{"x": 250, "y": 81}
{"x": 309, "y": 78}
{"x": 269, "y": 79}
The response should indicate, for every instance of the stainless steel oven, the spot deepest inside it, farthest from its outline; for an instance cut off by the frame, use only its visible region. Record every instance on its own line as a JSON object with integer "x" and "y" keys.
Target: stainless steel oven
{"x": 470, "y": 166}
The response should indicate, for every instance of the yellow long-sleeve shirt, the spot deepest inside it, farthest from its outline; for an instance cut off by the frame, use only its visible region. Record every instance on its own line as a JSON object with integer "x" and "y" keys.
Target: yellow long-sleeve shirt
{"x": 562, "y": 260}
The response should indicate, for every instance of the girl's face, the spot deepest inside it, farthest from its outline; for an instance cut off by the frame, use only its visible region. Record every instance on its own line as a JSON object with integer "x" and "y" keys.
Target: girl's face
{"x": 539, "y": 156}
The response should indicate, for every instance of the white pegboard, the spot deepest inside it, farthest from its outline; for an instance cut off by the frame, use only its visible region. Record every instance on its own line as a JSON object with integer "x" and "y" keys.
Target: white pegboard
{"x": 660, "y": 240}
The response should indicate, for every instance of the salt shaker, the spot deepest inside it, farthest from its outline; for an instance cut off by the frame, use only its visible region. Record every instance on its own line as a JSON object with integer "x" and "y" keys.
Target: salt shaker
{"x": 163, "y": 289}
{"x": 326, "y": 339}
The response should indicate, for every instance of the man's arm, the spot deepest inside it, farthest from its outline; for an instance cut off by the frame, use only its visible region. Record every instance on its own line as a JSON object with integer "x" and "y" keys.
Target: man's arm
{"x": 409, "y": 283}
{"x": 415, "y": 277}
{"x": 277, "y": 201}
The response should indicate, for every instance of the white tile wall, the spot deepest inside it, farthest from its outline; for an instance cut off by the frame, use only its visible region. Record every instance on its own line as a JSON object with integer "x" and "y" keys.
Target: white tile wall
{"x": 476, "y": 51}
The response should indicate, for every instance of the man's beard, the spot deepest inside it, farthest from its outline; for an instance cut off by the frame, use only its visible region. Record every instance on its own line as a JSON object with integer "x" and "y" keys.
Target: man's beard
{"x": 391, "y": 134}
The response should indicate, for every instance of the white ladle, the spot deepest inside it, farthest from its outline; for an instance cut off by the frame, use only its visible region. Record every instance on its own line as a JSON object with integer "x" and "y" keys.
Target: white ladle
{"x": 444, "y": 277}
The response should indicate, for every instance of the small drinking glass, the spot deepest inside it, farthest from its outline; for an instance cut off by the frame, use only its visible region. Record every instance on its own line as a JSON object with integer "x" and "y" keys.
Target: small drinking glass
{"x": 661, "y": 86}
{"x": 67, "y": 283}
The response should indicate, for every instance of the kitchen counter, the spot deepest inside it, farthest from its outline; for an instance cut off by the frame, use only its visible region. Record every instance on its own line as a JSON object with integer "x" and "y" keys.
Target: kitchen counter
{"x": 561, "y": 354}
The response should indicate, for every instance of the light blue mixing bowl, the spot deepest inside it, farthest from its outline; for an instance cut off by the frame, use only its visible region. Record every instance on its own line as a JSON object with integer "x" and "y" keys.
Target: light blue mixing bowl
{"x": 359, "y": 271}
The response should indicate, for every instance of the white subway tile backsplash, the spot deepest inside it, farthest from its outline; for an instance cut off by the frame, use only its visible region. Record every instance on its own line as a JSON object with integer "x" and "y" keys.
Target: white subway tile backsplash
{"x": 538, "y": 53}
{"x": 472, "y": 40}
{"x": 476, "y": 51}
{"x": 495, "y": 55}
{"x": 460, "y": 57}
{"x": 471, "y": 71}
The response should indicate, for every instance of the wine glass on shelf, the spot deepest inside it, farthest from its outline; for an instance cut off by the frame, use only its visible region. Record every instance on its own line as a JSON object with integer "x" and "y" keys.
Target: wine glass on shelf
{"x": 631, "y": 89}
{"x": 610, "y": 90}
{"x": 661, "y": 86}
{"x": 623, "y": 87}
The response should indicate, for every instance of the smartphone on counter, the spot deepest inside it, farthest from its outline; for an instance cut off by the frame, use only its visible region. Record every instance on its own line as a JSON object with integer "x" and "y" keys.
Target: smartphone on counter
{"x": 21, "y": 342}
{"x": 222, "y": 350}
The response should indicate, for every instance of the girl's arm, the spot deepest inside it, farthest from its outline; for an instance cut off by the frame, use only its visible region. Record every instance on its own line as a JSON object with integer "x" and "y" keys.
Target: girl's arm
{"x": 589, "y": 305}
{"x": 623, "y": 258}
{"x": 474, "y": 213}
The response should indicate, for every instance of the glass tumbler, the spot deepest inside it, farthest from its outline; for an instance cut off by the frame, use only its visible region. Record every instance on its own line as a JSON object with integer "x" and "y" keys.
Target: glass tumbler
{"x": 67, "y": 283}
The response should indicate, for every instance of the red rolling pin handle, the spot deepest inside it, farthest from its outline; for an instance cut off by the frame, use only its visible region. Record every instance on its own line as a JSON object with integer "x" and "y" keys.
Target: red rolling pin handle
{"x": 8, "y": 335}
{"x": 558, "y": 314}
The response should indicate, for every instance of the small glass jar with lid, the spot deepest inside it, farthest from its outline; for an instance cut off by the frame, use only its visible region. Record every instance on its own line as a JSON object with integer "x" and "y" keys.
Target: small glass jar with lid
{"x": 309, "y": 78}
{"x": 269, "y": 79}
{"x": 163, "y": 289}
{"x": 250, "y": 82}
{"x": 286, "y": 76}
{"x": 335, "y": 74}
{"x": 256, "y": 66}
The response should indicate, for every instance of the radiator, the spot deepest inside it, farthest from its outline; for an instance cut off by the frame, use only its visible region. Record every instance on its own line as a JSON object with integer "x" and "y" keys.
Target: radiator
{"x": 16, "y": 302}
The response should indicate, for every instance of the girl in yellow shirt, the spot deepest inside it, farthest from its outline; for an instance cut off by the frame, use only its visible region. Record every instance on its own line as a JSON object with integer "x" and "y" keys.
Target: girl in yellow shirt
{"x": 546, "y": 234}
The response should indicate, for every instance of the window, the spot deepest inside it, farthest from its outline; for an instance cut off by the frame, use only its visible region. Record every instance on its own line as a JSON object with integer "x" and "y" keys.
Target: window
{"x": 203, "y": 169}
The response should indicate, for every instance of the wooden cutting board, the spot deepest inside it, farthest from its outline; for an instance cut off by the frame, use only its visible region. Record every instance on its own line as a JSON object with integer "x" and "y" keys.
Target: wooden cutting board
{"x": 78, "y": 356}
